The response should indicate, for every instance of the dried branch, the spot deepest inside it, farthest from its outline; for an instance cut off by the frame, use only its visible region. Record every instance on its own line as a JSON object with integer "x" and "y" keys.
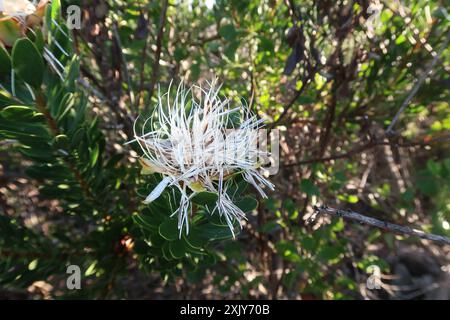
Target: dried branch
{"x": 391, "y": 227}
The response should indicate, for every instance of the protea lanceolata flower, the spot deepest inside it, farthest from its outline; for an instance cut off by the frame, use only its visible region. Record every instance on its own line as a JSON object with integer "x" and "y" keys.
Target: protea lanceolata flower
{"x": 199, "y": 144}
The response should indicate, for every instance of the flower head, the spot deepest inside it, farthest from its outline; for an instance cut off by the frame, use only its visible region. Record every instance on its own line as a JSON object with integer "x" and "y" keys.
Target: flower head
{"x": 199, "y": 144}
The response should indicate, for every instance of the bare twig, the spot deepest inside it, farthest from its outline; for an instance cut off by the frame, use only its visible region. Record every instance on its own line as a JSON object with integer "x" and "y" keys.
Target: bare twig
{"x": 391, "y": 227}
{"x": 124, "y": 63}
{"x": 417, "y": 86}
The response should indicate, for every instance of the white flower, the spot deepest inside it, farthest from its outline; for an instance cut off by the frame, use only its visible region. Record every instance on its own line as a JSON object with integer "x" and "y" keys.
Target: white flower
{"x": 197, "y": 146}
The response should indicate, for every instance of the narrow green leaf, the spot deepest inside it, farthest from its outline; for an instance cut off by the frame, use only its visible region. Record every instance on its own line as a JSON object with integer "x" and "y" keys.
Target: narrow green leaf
{"x": 94, "y": 155}
{"x": 169, "y": 229}
{"x": 308, "y": 187}
{"x": 27, "y": 62}
{"x": 228, "y": 32}
{"x": 166, "y": 251}
{"x": 247, "y": 204}
{"x": 23, "y": 114}
{"x": 177, "y": 249}
{"x": 61, "y": 141}
{"x": 56, "y": 10}
{"x": 5, "y": 61}
{"x": 214, "y": 232}
{"x": 205, "y": 199}
{"x": 194, "y": 240}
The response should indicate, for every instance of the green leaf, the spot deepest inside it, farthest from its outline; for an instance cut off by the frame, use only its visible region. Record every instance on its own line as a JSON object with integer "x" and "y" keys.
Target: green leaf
{"x": 287, "y": 250}
{"x": 73, "y": 72}
{"x": 39, "y": 40}
{"x": 228, "y": 32}
{"x": 148, "y": 220}
{"x": 247, "y": 204}
{"x": 194, "y": 241}
{"x": 268, "y": 227}
{"x": 205, "y": 199}
{"x": 23, "y": 114}
{"x": 56, "y": 9}
{"x": 214, "y": 232}
{"x": 266, "y": 44}
{"x": 5, "y": 61}
{"x": 46, "y": 171}
{"x": 308, "y": 187}
{"x": 42, "y": 152}
{"x": 94, "y": 155}
{"x": 6, "y": 98}
{"x": 328, "y": 253}
{"x": 308, "y": 243}
{"x": 27, "y": 62}
{"x": 166, "y": 251}
{"x": 157, "y": 241}
{"x": 61, "y": 142}
{"x": 17, "y": 113}
{"x": 427, "y": 184}
{"x": 177, "y": 249}
{"x": 180, "y": 53}
{"x": 230, "y": 50}
{"x": 169, "y": 229}
{"x": 62, "y": 109}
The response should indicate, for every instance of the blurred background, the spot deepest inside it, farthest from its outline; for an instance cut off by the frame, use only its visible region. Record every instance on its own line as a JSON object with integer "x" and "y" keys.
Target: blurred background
{"x": 330, "y": 75}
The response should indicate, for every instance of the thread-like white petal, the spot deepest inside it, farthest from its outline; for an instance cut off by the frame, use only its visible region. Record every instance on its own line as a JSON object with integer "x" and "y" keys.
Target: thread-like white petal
{"x": 158, "y": 190}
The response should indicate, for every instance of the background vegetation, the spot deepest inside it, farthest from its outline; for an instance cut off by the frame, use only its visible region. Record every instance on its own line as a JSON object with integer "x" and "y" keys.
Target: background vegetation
{"x": 331, "y": 75}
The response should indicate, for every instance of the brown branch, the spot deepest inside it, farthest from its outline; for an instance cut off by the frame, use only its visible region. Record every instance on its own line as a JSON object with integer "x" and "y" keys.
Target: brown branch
{"x": 329, "y": 119}
{"x": 41, "y": 106}
{"x": 124, "y": 63}
{"x": 369, "y": 145}
{"x": 391, "y": 227}
{"x": 201, "y": 41}
{"x": 143, "y": 62}
{"x": 159, "y": 38}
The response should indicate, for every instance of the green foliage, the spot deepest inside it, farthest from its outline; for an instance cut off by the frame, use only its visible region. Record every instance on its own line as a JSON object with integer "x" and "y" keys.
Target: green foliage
{"x": 27, "y": 62}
